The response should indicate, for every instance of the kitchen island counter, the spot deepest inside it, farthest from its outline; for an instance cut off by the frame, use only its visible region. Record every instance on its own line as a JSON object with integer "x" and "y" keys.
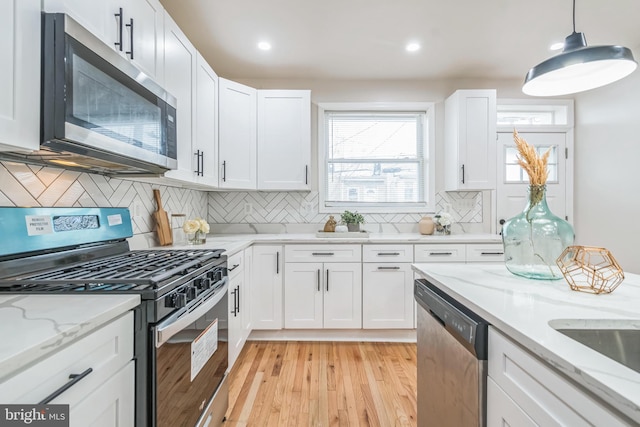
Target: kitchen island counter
{"x": 522, "y": 309}
{"x": 33, "y": 326}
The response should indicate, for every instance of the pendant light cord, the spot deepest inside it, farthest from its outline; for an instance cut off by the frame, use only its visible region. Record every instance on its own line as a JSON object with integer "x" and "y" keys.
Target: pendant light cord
{"x": 574, "y": 16}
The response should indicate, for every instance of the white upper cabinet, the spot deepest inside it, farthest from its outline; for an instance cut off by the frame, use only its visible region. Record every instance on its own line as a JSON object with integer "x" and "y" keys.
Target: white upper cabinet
{"x": 470, "y": 140}
{"x": 205, "y": 144}
{"x": 180, "y": 79}
{"x": 20, "y": 75}
{"x": 284, "y": 139}
{"x": 237, "y": 135}
{"x": 146, "y": 38}
{"x": 134, "y": 28}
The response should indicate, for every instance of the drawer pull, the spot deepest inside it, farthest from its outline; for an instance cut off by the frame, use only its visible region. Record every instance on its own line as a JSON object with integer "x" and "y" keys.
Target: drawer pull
{"x": 322, "y": 253}
{"x": 388, "y": 253}
{"x": 491, "y": 253}
{"x": 389, "y": 268}
{"x": 74, "y": 378}
{"x": 234, "y": 267}
{"x": 440, "y": 253}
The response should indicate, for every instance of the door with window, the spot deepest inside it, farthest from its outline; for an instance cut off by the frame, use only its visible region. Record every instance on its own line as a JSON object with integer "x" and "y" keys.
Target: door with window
{"x": 513, "y": 181}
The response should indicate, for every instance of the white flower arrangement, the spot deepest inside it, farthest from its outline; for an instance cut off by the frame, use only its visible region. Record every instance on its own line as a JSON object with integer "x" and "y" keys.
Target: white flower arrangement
{"x": 191, "y": 226}
{"x": 444, "y": 219}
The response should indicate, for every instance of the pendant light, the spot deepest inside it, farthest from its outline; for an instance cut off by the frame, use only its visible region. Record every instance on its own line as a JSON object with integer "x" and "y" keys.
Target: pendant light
{"x": 579, "y": 67}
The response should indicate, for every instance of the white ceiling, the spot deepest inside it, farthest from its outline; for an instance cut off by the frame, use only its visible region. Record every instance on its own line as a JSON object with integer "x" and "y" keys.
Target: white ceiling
{"x": 365, "y": 39}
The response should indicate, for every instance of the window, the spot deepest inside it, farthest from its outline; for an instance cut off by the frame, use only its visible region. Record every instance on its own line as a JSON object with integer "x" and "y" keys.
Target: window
{"x": 513, "y": 172}
{"x": 375, "y": 158}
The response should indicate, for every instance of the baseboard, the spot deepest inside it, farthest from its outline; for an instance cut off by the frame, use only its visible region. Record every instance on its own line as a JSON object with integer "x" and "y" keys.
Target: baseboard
{"x": 365, "y": 335}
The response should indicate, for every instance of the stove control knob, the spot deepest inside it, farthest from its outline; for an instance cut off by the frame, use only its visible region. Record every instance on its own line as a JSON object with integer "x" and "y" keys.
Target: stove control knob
{"x": 177, "y": 300}
{"x": 202, "y": 283}
{"x": 191, "y": 293}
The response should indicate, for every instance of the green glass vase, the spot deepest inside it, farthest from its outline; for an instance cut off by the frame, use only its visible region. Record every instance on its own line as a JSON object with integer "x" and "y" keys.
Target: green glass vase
{"x": 535, "y": 238}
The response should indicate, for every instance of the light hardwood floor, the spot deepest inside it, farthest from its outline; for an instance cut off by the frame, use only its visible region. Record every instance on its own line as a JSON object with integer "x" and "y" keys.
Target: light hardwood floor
{"x": 323, "y": 384}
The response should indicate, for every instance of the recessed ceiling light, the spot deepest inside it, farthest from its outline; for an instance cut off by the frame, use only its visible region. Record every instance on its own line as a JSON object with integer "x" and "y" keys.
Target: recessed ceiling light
{"x": 412, "y": 47}
{"x": 264, "y": 46}
{"x": 556, "y": 46}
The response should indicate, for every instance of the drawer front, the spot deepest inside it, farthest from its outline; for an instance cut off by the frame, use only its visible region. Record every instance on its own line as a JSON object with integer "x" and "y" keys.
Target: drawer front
{"x": 323, "y": 253}
{"x": 387, "y": 253}
{"x": 490, "y": 252}
{"x": 235, "y": 264}
{"x": 440, "y": 253}
{"x": 105, "y": 351}
{"x": 543, "y": 394}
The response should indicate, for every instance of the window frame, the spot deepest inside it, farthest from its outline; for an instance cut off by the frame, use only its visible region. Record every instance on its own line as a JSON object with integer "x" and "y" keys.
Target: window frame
{"x": 428, "y": 159}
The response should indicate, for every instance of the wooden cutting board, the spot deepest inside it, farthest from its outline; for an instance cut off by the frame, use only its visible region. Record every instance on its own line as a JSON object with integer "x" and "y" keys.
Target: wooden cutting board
{"x": 163, "y": 228}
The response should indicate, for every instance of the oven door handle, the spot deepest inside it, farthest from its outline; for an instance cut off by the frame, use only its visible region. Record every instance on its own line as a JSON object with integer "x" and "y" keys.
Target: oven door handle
{"x": 178, "y": 321}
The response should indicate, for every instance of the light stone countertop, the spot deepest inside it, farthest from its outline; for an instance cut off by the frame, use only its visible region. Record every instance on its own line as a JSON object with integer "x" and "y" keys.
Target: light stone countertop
{"x": 233, "y": 243}
{"x": 33, "y": 326}
{"x": 522, "y": 308}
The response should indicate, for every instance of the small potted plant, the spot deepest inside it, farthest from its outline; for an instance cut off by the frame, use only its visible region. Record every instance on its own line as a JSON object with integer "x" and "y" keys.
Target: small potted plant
{"x": 352, "y": 219}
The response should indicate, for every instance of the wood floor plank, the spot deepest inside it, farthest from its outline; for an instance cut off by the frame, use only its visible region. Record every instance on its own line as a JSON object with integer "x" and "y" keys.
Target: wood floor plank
{"x": 322, "y": 384}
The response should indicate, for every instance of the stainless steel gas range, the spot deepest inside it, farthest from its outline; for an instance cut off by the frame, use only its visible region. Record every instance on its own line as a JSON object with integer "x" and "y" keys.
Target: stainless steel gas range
{"x": 180, "y": 327}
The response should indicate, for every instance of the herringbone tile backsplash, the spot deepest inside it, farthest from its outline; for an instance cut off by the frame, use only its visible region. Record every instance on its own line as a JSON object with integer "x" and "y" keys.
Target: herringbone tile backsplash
{"x": 28, "y": 185}
{"x": 303, "y": 207}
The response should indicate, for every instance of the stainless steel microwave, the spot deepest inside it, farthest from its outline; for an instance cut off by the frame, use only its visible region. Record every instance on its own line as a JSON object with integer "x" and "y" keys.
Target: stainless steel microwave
{"x": 99, "y": 113}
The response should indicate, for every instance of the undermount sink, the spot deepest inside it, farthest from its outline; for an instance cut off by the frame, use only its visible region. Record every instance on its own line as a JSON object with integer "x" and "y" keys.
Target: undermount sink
{"x": 615, "y": 338}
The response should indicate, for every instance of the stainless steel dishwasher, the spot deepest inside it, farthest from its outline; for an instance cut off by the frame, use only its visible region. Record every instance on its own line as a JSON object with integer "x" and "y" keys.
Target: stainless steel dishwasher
{"x": 452, "y": 361}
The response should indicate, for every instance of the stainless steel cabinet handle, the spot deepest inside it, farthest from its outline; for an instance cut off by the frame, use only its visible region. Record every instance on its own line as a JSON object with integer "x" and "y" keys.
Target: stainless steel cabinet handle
{"x": 74, "y": 379}
{"x": 224, "y": 171}
{"x": 322, "y": 253}
{"x": 306, "y": 174}
{"x": 327, "y": 280}
{"x": 234, "y": 312}
{"x": 130, "y": 25}
{"x": 388, "y": 253}
{"x": 440, "y": 253}
{"x": 238, "y": 298}
{"x": 234, "y": 267}
{"x": 491, "y": 253}
{"x": 463, "y": 173}
{"x": 118, "y": 16}
{"x": 389, "y": 268}
{"x": 278, "y": 262}
{"x": 318, "y": 280}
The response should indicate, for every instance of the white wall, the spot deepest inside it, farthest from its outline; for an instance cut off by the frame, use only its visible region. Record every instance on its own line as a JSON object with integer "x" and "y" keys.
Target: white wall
{"x": 607, "y": 170}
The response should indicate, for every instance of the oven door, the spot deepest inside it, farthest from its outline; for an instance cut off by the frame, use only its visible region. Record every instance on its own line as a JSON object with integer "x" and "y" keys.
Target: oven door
{"x": 191, "y": 360}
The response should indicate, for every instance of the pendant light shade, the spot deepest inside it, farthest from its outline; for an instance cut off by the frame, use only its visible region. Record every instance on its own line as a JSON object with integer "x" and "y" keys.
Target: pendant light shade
{"x": 578, "y": 68}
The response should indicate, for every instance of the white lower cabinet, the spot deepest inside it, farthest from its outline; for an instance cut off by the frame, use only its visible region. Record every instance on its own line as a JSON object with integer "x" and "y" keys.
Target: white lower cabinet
{"x": 266, "y": 287}
{"x": 387, "y": 296}
{"x": 236, "y": 337}
{"x": 104, "y": 395}
{"x": 522, "y": 390}
{"x": 323, "y": 295}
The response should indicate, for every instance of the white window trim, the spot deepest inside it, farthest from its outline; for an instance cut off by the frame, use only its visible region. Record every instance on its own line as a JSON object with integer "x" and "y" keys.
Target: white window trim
{"x": 428, "y": 153}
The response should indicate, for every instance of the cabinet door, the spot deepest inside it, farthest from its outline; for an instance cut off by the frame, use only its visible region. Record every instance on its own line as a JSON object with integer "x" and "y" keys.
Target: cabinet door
{"x": 237, "y": 135}
{"x": 284, "y": 139}
{"x": 245, "y": 300}
{"x": 502, "y": 410}
{"x": 343, "y": 295}
{"x": 97, "y": 17}
{"x": 470, "y": 140}
{"x": 266, "y": 288}
{"x": 180, "y": 67}
{"x": 111, "y": 404}
{"x": 206, "y": 135}
{"x": 387, "y": 296}
{"x": 146, "y": 38}
{"x": 303, "y": 289}
{"x": 20, "y": 75}
{"x": 236, "y": 336}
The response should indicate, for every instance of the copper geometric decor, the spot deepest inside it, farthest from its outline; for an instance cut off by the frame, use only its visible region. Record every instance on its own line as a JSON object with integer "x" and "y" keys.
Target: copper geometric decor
{"x": 590, "y": 269}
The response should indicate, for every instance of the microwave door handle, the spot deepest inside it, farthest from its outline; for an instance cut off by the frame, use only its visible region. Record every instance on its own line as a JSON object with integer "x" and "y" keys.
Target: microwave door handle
{"x": 175, "y": 323}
